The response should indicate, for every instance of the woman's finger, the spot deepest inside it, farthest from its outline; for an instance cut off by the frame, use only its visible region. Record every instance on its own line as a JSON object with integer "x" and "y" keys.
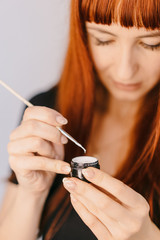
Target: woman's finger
{"x": 31, "y": 145}
{"x": 100, "y": 231}
{"x": 118, "y": 189}
{"x": 114, "y": 228}
{"x": 23, "y": 163}
{"x": 106, "y": 213}
{"x": 44, "y": 114}
{"x": 38, "y": 129}
{"x": 99, "y": 204}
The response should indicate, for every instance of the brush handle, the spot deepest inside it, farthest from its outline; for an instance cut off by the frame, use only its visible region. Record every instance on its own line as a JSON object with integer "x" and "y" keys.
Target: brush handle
{"x": 31, "y": 105}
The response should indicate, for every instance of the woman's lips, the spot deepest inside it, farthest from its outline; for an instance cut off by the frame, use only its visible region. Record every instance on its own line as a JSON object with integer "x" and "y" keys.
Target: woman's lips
{"x": 127, "y": 87}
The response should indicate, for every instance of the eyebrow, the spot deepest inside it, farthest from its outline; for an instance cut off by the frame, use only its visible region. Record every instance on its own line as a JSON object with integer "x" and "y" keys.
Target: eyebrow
{"x": 102, "y": 31}
{"x": 156, "y": 34}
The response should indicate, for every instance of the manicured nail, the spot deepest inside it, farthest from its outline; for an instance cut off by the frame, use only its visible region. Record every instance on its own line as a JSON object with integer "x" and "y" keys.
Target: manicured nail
{"x": 66, "y": 169}
{"x": 88, "y": 173}
{"x": 68, "y": 184}
{"x": 64, "y": 140}
{"x": 61, "y": 120}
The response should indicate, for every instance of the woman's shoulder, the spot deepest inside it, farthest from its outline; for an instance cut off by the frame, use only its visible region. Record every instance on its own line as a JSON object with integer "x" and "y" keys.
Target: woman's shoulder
{"x": 46, "y": 98}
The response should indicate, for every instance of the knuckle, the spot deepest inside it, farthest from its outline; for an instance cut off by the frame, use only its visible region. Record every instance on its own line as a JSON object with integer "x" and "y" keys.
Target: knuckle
{"x": 134, "y": 227}
{"x": 146, "y": 208}
{"x": 92, "y": 223}
{"x": 120, "y": 189}
{"x": 38, "y": 143}
{"x": 17, "y": 164}
{"x": 143, "y": 208}
{"x": 11, "y": 136}
{"x": 56, "y": 136}
{"x": 50, "y": 152}
{"x": 48, "y": 114}
{"x": 122, "y": 235}
{"x": 103, "y": 205}
{"x": 97, "y": 211}
{"x": 27, "y": 112}
{"x": 12, "y": 162}
{"x": 100, "y": 178}
{"x": 42, "y": 164}
{"x": 57, "y": 166}
{"x": 31, "y": 126}
{"x": 143, "y": 213}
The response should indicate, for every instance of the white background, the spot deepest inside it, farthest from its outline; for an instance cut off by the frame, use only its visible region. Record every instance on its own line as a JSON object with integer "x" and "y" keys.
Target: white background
{"x": 33, "y": 43}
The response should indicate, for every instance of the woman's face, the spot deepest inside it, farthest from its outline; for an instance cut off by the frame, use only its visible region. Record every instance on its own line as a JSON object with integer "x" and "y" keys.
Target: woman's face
{"x": 127, "y": 60}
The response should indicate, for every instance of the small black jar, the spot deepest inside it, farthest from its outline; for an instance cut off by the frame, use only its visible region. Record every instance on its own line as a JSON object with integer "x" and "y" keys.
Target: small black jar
{"x": 79, "y": 163}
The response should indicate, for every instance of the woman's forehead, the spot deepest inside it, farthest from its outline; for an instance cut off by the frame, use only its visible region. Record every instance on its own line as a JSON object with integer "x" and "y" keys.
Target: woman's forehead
{"x": 118, "y": 30}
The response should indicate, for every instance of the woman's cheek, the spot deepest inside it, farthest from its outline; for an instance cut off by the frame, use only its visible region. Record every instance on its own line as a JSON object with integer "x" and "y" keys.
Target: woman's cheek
{"x": 101, "y": 59}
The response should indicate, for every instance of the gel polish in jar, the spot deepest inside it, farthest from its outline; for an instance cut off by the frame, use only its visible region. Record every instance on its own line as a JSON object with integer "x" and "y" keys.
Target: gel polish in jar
{"x": 81, "y": 162}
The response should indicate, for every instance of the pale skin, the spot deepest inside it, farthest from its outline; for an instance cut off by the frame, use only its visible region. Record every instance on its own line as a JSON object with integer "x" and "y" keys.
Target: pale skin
{"x": 36, "y": 154}
{"x": 126, "y": 217}
{"x": 36, "y": 151}
{"x": 126, "y": 58}
{"x": 37, "y": 135}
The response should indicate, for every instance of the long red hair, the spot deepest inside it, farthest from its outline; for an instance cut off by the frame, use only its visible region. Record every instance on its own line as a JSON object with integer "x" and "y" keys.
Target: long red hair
{"x": 76, "y": 100}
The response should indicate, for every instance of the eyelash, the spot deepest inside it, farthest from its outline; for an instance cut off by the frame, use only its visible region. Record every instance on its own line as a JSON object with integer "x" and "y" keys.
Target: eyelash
{"x": 150, "y": 47}
{"x": 101, "y": 43}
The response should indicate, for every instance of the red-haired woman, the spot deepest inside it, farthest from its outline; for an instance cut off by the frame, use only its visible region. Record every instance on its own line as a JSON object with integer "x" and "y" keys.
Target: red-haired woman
{"x": 109, "y": 92}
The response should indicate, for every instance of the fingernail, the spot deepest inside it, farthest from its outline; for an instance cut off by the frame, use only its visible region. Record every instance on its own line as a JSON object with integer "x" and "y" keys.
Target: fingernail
{"x": 68, "y": 184}
{"x": 88, "y": 173}
{"x": 61, "y": 120}
{"x": 66, "y": 169}
{"x": 64, "y": 140}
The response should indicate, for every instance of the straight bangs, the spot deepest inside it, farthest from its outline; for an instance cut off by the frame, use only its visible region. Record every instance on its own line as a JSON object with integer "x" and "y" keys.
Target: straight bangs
{"x": 128, "y": 13}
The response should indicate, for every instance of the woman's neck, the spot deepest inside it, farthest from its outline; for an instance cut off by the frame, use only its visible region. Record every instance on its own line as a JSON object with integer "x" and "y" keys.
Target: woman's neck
{"x": 123, "y": 111}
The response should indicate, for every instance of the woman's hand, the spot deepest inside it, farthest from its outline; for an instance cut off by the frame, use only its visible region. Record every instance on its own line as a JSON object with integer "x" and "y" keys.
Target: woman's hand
{"x": 36, "y": 150}
{"x": 111, "y": 209}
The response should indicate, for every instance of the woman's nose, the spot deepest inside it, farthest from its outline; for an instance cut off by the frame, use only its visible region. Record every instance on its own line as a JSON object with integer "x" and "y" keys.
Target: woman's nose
{"x": 127, "y": 65}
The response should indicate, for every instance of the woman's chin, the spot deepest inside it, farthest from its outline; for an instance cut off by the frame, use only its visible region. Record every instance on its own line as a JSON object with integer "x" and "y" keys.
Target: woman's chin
{"x": 128, "y": 97}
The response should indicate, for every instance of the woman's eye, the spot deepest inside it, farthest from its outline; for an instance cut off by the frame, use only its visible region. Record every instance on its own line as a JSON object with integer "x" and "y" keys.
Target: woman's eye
{"x": 103, "y": 43}
{"x": 150, "y": 47}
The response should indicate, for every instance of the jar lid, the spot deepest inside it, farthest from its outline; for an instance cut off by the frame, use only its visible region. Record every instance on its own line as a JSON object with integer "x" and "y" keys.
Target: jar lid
{"x": 84, "y": 161}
